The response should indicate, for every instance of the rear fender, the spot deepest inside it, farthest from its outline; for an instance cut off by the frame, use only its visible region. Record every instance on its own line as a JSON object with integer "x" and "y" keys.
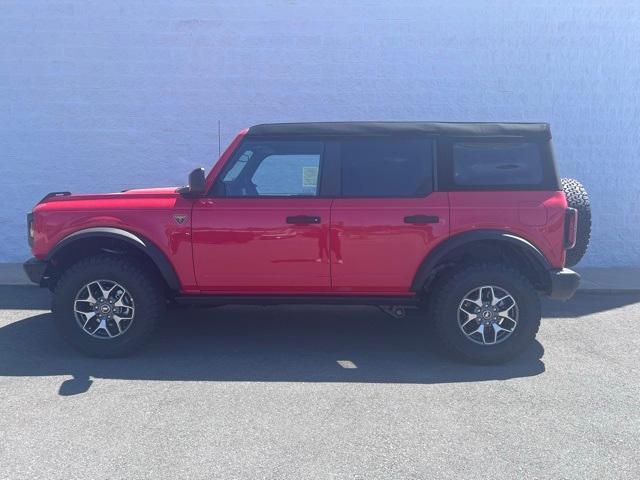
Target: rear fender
{"x": 444, "y": 249}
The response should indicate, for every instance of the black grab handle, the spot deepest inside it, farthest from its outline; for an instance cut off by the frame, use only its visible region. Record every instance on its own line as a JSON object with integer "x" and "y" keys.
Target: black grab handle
{"x": 303, "y": 219}
{"x": 421, "y": 219}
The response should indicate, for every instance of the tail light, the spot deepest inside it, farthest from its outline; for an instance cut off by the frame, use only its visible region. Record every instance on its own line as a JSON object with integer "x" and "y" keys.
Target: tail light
{"x": 571, "y": 228}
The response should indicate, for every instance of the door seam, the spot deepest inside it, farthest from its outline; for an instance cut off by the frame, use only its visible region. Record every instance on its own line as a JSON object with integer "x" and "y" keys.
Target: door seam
{"x": 329, "y": 243}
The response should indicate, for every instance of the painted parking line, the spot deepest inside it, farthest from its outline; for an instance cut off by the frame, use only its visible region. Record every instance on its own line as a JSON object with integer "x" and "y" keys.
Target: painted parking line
{"x": 346, "y": 364}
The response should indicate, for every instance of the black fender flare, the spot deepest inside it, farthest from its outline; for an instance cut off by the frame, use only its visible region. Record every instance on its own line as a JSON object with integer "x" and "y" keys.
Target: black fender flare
{"x": 427, "y": 266}
{"x": 156, "y": 255}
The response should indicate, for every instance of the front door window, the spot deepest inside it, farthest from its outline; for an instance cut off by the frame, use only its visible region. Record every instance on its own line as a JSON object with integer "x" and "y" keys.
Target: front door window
{"x": 272, "y": 169}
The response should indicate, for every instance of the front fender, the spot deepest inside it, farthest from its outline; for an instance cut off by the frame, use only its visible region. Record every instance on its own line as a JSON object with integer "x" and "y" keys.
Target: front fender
{"x": 145, "y": 246}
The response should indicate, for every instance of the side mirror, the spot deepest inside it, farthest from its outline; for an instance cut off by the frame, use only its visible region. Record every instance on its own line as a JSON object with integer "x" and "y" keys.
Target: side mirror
{"x": 196, "y": 183}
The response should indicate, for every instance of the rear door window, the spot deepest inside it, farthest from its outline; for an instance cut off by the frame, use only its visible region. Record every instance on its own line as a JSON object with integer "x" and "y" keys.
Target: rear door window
{"x": 378, "y": 167}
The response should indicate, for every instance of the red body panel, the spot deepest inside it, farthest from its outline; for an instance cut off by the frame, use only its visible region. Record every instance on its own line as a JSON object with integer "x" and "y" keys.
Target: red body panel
{"x": 149, "y": 213}
{"x": 246, "y": 246}
{"x": 535, "y": 216}
{"x": 374, "y": 250}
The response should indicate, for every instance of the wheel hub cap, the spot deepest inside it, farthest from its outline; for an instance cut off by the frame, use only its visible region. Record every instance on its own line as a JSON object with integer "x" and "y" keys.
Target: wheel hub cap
{"x": 488, "y": 315}
{"x": 104, "y": 309}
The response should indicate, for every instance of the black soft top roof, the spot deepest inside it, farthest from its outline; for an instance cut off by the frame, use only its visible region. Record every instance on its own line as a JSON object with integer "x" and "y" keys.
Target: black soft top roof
{"x": 448, "y": 129}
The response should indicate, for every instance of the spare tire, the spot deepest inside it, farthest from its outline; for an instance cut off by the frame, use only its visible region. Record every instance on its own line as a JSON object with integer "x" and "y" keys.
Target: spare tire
{"x": 578, "y": 198}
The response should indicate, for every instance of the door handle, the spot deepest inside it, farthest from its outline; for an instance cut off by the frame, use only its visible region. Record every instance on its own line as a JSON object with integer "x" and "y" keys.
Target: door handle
{"x": 421, "y": 219}
{"x": 303, "y": 219}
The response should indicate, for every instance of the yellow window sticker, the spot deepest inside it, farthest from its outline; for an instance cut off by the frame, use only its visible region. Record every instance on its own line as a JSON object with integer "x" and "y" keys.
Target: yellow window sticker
{"x": 309, "y": 176}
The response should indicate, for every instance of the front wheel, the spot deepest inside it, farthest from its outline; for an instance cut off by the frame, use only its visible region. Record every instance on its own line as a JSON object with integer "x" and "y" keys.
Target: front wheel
{"x": 486, "y": 313}
{"x": 107, "y": 305}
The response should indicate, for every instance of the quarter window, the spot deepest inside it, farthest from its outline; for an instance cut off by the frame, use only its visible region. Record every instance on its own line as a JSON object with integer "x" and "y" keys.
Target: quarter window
{"x": 375, "y": 167}
{"x": 496, "y": 164}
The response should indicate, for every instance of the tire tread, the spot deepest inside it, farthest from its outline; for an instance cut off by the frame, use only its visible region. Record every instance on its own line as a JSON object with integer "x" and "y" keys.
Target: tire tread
{"x": 578, "y": 198}
{"x": 444, "y": 293}
{"x": 136, "y": 274}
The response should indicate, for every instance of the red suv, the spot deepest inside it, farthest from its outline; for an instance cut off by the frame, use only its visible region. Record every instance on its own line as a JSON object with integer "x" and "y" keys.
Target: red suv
{"x": 468, "y": 220}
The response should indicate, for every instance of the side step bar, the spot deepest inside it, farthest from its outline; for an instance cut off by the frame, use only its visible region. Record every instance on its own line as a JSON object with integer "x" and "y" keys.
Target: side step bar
{"x": 217, "y": 300}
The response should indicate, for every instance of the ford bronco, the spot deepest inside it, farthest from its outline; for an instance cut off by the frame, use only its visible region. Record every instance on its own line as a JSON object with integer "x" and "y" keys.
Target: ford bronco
{"x": 468, "y": 221}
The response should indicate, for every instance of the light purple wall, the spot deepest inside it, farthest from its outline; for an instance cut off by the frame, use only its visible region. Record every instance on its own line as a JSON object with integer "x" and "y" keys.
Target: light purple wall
{"x": 99, "y": 96}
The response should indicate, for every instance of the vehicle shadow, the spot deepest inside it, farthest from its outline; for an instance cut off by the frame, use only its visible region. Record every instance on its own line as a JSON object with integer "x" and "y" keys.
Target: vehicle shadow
{"x": 265, "y": 344}
{"x": 24, "y": 297}
{"x": 259, "y": 344}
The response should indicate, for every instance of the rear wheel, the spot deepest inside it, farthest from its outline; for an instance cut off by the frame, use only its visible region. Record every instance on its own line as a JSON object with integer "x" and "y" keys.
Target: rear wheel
{"x": 486, "y": 313}
{"x": 107, "y": 306}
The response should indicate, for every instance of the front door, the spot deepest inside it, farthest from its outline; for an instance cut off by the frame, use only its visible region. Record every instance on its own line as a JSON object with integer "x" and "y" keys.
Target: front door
{"x": 388, "y": 217}
{"x": 265, "y": 229}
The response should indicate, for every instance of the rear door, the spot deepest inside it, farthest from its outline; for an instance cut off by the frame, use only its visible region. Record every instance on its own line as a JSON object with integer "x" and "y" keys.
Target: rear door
{"x": 265, "y": 227}
{"x": 388, "y": 216}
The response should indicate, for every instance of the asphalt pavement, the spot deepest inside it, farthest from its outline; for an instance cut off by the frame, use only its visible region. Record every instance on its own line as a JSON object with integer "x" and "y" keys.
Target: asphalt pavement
{"x": 320, "y": 393}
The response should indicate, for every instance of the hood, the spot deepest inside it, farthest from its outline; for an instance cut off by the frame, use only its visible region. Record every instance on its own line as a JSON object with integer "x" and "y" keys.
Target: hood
{"x": 67, "y": 200}
{"x": 150, "y": 191}
{"x": 162, "y": 191}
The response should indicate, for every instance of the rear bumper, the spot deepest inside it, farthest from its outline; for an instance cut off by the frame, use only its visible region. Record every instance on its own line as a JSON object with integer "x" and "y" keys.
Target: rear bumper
{"x": 564, "y": 283}
{"x": 35, "y": 270}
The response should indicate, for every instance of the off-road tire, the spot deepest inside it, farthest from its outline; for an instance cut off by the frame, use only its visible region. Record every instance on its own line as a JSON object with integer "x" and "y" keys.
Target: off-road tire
{"x": 578, "y": 198}
{"x": 450, "y": 292}
{"x": 144, "y": 287}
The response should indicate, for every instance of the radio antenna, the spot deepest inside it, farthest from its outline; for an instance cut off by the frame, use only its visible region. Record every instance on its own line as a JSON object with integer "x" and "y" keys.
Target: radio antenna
{"x": 218, "y": 138}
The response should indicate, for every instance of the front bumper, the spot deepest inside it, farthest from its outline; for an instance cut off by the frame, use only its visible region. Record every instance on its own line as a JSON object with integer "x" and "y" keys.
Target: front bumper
{"x": 564, "y": 283}
{"x": 35, "y": 270}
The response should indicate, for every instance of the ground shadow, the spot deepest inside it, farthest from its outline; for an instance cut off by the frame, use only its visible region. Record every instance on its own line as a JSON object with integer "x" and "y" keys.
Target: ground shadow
{"x": 273, "y": 344}
{"x": 24, "y": 297}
